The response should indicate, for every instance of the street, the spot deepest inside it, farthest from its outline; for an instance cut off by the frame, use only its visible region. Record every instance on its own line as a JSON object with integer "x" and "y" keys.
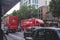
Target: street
{"x": 16, "y": 36}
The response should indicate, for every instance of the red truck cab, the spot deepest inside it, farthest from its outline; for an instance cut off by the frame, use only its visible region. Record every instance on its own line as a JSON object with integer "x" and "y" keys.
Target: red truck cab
{"x": 11, "y": 22}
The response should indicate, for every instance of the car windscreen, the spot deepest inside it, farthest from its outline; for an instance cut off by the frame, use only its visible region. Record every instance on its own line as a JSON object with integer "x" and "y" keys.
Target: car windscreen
{"x": 29, "y": 30}
{"x": 40, "y": 34}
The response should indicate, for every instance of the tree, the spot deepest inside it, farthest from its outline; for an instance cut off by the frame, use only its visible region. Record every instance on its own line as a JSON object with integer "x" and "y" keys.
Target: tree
{"x": 26, "y": 12}
{"x": 55, "y": 8}
{"x": 14, "y": 13}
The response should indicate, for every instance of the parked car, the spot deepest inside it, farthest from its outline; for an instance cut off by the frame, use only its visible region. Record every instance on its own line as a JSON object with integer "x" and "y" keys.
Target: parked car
{"x": 45, "y": 33}
{"x": 28, "y": 32}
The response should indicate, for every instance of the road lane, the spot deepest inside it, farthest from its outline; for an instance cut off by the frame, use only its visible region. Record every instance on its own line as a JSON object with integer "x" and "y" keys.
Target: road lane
{"x": 20, "y": 34}
{"x": 16, "y": 36}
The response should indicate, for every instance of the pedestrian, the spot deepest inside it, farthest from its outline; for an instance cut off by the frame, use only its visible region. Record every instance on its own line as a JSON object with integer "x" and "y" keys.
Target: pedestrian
{"x": 5, "y": 29}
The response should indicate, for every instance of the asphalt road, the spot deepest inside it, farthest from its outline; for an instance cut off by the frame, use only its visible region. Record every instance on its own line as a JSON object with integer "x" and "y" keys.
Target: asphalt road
{"x": 16, "y": 36}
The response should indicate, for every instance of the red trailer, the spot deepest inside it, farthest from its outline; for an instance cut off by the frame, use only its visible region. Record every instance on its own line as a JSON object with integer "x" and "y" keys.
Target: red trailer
{"x": 31, "y": 22}
{"x": 11, "y": 22}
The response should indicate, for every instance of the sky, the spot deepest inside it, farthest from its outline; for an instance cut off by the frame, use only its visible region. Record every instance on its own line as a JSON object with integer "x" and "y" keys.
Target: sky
{"x": 17, "y": 6}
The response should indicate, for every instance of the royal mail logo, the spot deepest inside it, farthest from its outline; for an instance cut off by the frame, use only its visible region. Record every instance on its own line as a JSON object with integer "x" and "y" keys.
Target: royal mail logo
{"x": 27, "y": 22}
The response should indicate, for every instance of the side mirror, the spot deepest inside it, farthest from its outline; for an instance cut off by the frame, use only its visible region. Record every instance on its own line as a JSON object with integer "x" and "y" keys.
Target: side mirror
{"x": 29, "y": 38}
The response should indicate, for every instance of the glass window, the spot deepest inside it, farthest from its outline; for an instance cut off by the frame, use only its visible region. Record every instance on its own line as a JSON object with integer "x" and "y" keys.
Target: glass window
{"x": 29, "y": 30}
{"x": 35, "y": 1}
{"x": 33, "y": 33}
{"x": 50, "y": 34}
{"x": 32, "y": 1}
{"x": 40, "y": 34}
{"x": 29, "y": 1}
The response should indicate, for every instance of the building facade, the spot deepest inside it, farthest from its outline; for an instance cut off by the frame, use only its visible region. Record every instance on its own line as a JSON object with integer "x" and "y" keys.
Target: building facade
{"x": 29, "y": 3}
{"x": 47, "y": 16}
{"x": 35, "y": 3}
{"x": 42, "y": 12}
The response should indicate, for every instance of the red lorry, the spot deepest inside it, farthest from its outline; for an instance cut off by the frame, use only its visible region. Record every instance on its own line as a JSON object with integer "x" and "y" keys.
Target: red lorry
{"x": 11, "y": 22}
{"x": 28, "y": 25}
{"x": 31, "y": 22}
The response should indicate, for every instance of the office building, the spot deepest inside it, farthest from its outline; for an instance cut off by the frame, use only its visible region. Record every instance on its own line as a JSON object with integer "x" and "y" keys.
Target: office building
{"x": 35, "y": 3}
{"x": 29, "y": 3}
